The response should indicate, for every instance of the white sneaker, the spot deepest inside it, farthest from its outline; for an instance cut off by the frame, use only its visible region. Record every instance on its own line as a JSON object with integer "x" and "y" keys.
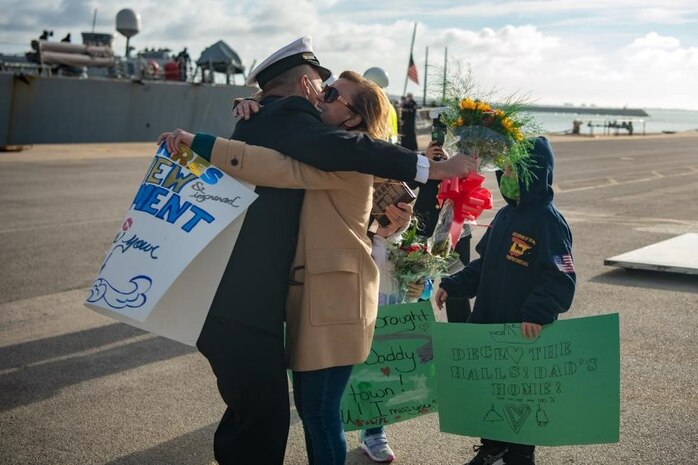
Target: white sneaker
{"x": 377, "y": 448}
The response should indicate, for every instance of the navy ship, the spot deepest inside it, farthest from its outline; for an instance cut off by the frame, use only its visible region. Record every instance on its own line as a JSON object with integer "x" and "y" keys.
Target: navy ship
{"x": 64, "y": 92}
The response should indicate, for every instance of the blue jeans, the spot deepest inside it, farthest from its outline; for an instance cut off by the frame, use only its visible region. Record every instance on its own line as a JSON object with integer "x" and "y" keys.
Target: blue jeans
{"x": 317, "y": 395}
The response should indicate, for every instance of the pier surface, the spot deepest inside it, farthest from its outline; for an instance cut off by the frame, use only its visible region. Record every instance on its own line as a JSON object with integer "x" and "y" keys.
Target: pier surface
{"x": 79, "y": 388}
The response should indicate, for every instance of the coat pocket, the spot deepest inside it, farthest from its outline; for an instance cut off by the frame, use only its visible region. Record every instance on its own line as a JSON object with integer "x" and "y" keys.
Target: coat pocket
{"x": 333, "y": 286}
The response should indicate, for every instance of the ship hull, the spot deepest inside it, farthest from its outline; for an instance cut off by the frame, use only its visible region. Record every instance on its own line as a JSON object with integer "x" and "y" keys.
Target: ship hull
{"x": 44, "y": 110}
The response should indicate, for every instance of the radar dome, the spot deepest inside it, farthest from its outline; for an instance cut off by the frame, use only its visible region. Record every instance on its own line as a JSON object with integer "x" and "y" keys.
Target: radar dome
{"x": 128, "y": 22}
{"x": 377, "y": 75}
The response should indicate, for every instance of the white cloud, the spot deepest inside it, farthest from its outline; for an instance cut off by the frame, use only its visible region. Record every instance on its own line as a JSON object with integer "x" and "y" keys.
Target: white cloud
{"x": 665, "y": 15}
{"x": 557, "y": 51}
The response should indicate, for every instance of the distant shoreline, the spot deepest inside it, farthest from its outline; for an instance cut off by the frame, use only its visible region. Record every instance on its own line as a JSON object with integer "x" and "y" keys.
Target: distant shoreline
{"x": 423, "y": 140}
{"x": 654, "y": 135}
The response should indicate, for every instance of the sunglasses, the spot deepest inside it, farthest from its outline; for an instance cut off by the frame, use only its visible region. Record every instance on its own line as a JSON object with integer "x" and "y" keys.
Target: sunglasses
{"x": 331, "y": 94}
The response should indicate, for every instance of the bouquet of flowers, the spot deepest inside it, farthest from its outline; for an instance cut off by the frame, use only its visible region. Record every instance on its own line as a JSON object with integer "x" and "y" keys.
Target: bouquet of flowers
{"x": 500, "y": 138}
{"x": 413, "y": 262}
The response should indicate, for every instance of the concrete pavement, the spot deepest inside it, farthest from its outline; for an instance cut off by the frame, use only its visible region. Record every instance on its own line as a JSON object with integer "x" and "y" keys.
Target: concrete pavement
{"x": 79, "y": 388}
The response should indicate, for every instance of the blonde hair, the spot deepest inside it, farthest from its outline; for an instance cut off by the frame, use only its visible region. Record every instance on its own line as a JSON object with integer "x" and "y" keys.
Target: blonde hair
{"x": 372, "y": 105}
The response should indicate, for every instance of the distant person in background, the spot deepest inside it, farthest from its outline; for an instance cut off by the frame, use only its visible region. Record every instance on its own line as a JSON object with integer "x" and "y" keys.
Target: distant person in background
{"x": 408, "y": 116}
{"x": 183, "y": 60}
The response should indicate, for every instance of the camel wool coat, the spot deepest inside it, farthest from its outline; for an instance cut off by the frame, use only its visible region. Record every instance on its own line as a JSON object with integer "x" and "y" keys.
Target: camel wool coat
{"x": 330, "y": 317}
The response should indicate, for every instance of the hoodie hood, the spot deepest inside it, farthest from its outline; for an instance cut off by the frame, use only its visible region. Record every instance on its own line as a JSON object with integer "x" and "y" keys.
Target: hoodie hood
{"x": 540, "y": 188}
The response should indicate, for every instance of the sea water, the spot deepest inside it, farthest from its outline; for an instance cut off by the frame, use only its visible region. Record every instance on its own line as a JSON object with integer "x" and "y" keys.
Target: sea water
{"x": 658, "y": 121}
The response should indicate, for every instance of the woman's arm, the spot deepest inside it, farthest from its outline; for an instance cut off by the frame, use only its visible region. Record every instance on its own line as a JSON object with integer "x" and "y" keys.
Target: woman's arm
{"x": 257, "y": 165}
{"x": 266, "y": 167}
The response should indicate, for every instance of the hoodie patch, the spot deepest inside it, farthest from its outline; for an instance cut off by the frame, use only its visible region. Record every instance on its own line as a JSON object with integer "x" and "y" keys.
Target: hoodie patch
{"x": 520, "y": 249}
{"x": 564, "y": 263}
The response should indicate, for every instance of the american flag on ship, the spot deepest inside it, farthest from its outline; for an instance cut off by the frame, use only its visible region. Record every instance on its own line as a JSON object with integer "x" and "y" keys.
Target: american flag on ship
{"x": 564, "y": 263}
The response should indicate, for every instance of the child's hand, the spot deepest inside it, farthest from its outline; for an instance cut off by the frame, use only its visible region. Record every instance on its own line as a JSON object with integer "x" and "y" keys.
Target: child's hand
{"x": 414, "y": 290}
{"x": 440, "y": 298}
{"x": 530, "y": 330}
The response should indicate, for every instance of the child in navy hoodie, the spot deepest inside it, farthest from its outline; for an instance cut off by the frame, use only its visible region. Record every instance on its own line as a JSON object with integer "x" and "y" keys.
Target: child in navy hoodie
{"x": 525, "y": 273}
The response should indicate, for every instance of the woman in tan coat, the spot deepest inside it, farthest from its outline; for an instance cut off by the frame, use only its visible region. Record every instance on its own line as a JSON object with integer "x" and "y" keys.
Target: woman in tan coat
{"x": 332, "y": 299}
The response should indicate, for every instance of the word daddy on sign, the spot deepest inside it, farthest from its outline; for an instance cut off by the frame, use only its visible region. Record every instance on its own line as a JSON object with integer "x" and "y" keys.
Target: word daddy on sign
{"x": 563, "y": 388}
{"x": 397, "y": 380}
{"x": 182, "y": 204}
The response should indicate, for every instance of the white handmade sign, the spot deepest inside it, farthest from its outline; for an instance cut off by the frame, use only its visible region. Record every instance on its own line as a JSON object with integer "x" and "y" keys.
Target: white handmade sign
{"x": 165, "y": 262}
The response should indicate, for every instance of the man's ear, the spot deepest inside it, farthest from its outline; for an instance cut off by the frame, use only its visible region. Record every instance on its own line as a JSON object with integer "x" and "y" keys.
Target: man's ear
{"x": 308, "y": 89}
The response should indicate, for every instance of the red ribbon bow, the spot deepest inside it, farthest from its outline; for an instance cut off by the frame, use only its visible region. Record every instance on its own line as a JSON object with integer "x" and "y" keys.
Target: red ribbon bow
{"x": 469, "y": 200}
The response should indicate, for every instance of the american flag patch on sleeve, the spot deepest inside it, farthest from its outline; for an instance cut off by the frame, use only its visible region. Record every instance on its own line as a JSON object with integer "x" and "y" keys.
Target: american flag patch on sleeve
{"x": 564, "y": 263}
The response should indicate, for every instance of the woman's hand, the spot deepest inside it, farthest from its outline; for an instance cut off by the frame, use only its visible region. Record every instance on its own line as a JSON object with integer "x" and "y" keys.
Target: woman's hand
{"x": 174, "y": 138}
{"x": 436, "y": 152}
{"x": 245, "y": 108}
{"x": 530, "y": 330}
{"x": 440, "y": 298}
{"x": 399, "y": 216}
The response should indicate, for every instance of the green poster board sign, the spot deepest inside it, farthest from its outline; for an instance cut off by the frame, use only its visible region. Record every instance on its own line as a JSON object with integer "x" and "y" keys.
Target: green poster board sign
{"x": 562, "y": 388}
{"x": 397, "y": 381}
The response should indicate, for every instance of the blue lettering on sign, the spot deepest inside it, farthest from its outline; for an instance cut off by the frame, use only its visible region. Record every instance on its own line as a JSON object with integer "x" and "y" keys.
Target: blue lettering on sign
{"x": 148, "y": 195}
{"x": 149, "y": 200}
{"x": 199, "y": 214}
{"x": 211, "y": 175}
{"x": 197, "y": 165}
{"x": 158, "y": 195}
{"x": 172, "y": 209}
{"x": 175, "y": 180}
{"x": 132, "y": 243}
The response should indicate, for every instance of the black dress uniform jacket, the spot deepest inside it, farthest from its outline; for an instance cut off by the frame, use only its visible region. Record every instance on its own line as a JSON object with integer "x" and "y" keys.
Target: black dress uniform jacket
{"x": 265, "y": 247}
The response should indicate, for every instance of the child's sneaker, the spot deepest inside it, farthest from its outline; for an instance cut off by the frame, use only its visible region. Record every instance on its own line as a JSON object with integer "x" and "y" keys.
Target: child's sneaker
{"x": 376, "y": 447}
{"x": 487, "y": 456}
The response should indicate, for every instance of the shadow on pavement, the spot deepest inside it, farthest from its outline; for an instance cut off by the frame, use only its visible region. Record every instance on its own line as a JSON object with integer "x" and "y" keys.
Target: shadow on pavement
{"x": 195, "y": 448}
{"x": 34, "y": 383}
{"x": 358, "y": 456}
{"x": 674, "y": 282}
{"x": 27, "y": 353}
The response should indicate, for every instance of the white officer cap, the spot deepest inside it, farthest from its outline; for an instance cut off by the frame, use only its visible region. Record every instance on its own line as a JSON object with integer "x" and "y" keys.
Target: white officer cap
{"x": 298, "y": 52}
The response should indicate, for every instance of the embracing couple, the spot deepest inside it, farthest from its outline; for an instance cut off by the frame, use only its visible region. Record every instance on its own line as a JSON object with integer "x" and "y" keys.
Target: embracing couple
{"x": 300, "y": 290}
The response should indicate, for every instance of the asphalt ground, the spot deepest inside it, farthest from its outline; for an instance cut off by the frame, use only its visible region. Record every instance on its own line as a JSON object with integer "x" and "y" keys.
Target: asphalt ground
{"x": 79, "y": 388}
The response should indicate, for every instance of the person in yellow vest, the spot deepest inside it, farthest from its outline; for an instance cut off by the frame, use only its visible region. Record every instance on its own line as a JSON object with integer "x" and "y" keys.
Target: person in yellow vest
{"x": 380, "y": 77}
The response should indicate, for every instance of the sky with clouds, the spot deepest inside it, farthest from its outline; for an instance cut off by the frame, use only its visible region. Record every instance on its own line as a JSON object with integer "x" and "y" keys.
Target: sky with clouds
{"x": 635, "y": 53}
